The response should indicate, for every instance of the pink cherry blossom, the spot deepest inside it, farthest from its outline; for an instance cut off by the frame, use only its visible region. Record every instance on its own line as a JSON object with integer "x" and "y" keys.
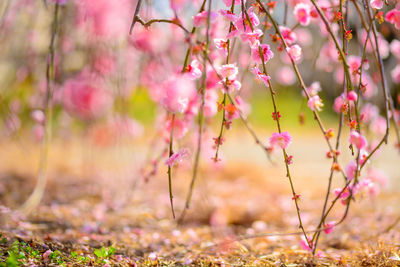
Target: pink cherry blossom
{"x": 395, "y": 48}
{"x": 369, "y": 113}
{"x": 352, "y": 96}
{"x": 229, "y": 71}
{"x": 222, "y": 45}
{"x": 285, "y": 75}
{"x": 378, "y": 4}
{"x": 177, "y": 157}
{"x": 253, "y": 38}
{"x": 210, "y": 103}
{"x": 315, "y": 103}
{"x": 393, "y": 16}
{"x": 231, "y": 84}
{"x": 357, "y": 140}
{"x": 329, "y": 227}
{"x": 282, "y": 140}
{"x": 261, "y": 76}
{"x": 85, "y": 96}
{"x": 350, "y": 170}
{"x": 193, "y": 70}
{"x": 228, "y": 3}
{"x": 295, "y": 52}
{"x": 202, "y": 17}
{"x": 287, "y": 34}
{"x": 313, "y": 89}
{"x": 302, "y": 13}
{"x": 228, "y": 15}
{"x": 395, "y": 73}
{"x": 177, "y": 91}
{"x": 266, "y": 53}
{"x": 243, "y": 25}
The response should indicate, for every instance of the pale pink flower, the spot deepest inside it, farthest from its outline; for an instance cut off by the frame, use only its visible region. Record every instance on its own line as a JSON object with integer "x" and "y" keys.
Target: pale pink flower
{"x": 369, "y": 113}
{"x": 232, "y": 85}
{"x": 315, "y": 103}
{"x": 302, "y": 13}
{"x": 38, "y": 116}
{"x": 228, "y": 15}
{"x": 245, "y": 27}
{"x": 395, "y": 48}
{"x": 193, "y": 70}
{"x": 46, "y": 254}
{"x": 229, "y": 71}
{"x": 201, "y": 18}
{"x": 177, "y": 157}
{"x": 350, "y": 170}
{"x": 177, "y": 4}
{"x": 85, "y": 96}
{"x": 396, "y": 74}
{"x": 282, "y": 140}
{"x": 210, "y": 103}
{"x": 294, "y": 52}
{"x": 285, "y": 75}
{"x": 228, "y": 3}
{"x": 222, "y": 45}
{"x": 378, "y": 176}
{"x": 345, "y": 194}
{"x": 261, "y": 76}
{"x": 266, "y": 51}
{"x": 104, "y": 18}
{"x": 378, "y": 4}
{"x": 357, "y": 140}
{"x": 378, "y": 126}
{"x": 313, "y": 89}
{"x": 393, "y": 16}
{"x": 253, "y": 38}
{"x": 177, "y": 91}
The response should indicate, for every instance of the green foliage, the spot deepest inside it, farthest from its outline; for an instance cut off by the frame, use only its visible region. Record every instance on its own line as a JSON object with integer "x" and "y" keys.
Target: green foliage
{"x": 56, "y": 257}
{"x": 104, "y": 253}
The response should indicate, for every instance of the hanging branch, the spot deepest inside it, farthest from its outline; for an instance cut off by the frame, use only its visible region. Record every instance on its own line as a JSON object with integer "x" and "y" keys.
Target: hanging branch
{"x": 37, "y": 194}
{"x": 200, "y": 118}
{"x": 135, "y": 16}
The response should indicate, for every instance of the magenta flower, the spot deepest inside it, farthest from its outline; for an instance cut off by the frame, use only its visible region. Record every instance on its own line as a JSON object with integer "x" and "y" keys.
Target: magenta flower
{"x": 352, "y": 96}
{"x": 357, "y": 140}
{"x": 177, "y": 157}
{"x": 329, "y": 227}
{"x": 282, "y": 140}
{"x": 287, "y": 34}
{"x": 393, "y": 16}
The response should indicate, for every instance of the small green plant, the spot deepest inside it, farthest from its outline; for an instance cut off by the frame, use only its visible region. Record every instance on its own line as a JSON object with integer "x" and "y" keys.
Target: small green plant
{"x": 56, "y": 257}
{"x": 103, "y": 253}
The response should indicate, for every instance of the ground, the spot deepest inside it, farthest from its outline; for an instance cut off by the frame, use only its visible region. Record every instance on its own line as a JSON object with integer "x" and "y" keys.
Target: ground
{"x": 96, "y": 211}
